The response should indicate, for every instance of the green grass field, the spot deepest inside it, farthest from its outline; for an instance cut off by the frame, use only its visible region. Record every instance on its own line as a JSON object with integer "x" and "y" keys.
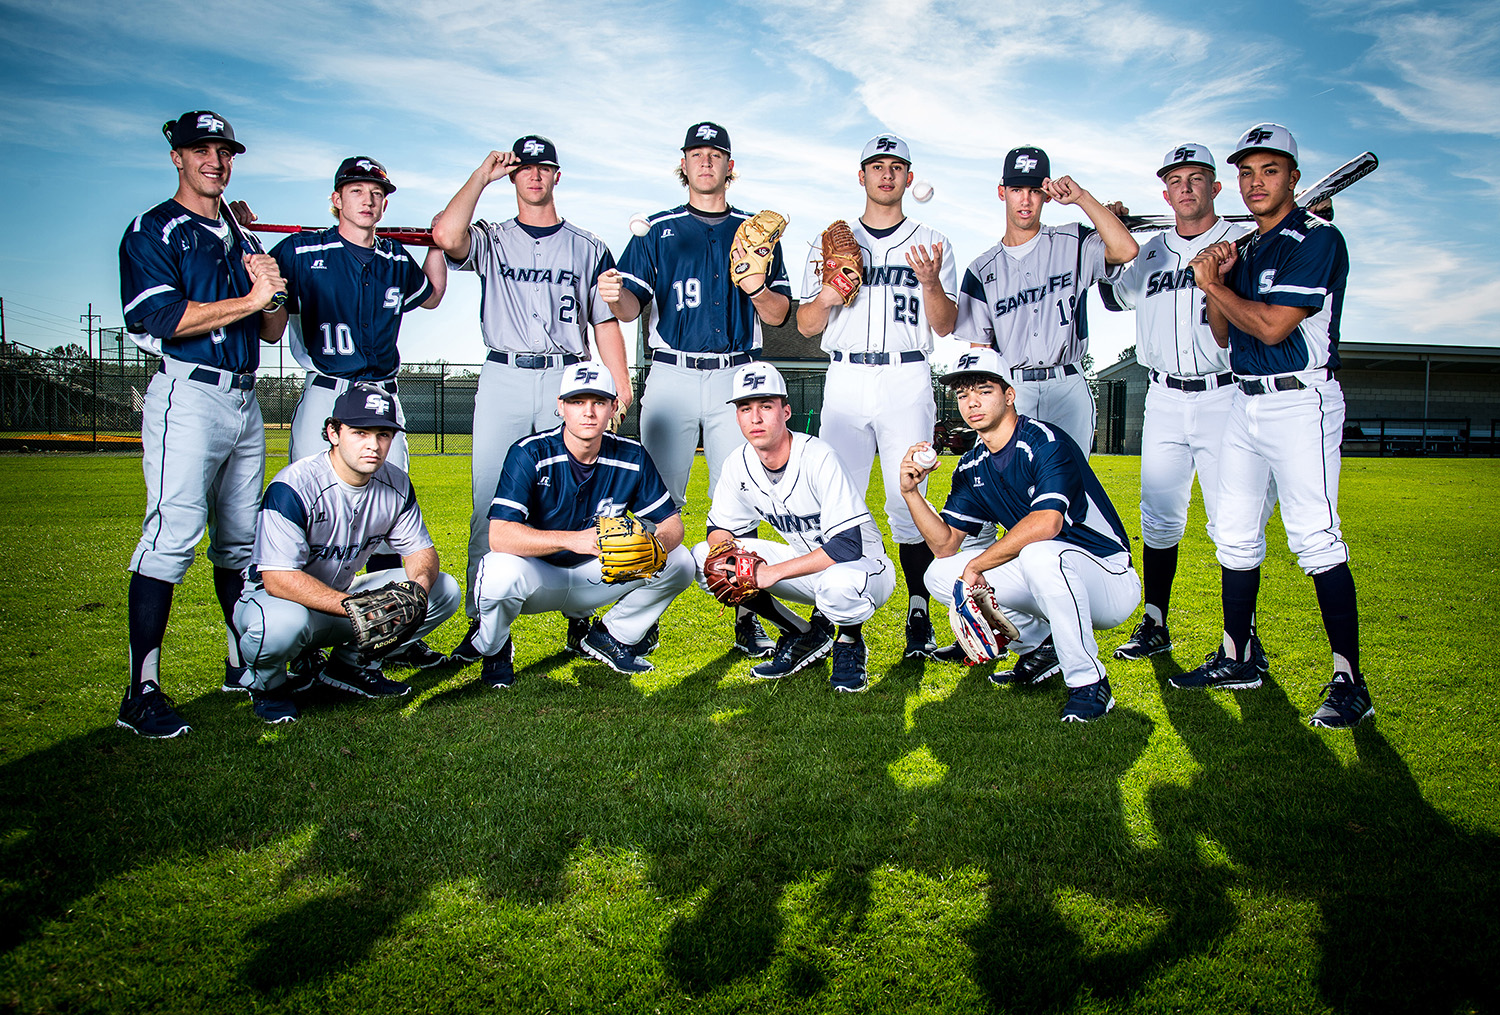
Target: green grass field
{"x": 694, "y": 840}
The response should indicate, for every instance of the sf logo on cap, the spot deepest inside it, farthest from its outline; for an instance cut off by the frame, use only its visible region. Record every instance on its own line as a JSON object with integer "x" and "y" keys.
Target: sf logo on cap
{"x": 886, "y": 144}
{"x": 1183, "y": 154}
{"x": 1257, "y": 136}
{"x": 533, "y": 147}
{"x": 1025, "y": 163}
{"x": 378, "y": 404}
{"x": 587, "y": 375}
{"x": 211, "y": 123}
{"x": 753, "y": 381}
{"x": 967, "y": 360}
{"x": 707, "y": 133}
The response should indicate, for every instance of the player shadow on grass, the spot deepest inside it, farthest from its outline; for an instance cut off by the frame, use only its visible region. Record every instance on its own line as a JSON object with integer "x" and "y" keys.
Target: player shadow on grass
{"x": 1406, "y": 899}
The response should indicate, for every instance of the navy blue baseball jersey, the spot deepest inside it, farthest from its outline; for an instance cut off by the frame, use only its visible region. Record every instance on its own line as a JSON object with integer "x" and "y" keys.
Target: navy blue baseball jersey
{"x": 540, "y": 487}
{"x": 681, "y": 269}
{"x": 170, "y": 256}
{"x": 1301, "y": 262}
{"x": 346, "y": 302}
{"x": 1040, "y": 468}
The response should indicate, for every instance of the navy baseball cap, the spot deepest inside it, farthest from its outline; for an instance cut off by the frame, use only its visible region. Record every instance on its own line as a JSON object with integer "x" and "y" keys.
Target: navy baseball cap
{"x": 1025, "y": 167}
{"x": 361, "y": 167}
{"x": 200, "y": 125}
{"x": 367, "y": 407}
{"x": 1265, "y": 137}
{"x": 885, "y": 146}
{"x": 535, "y": 150}
{"x": 707, "y": 135}
{"x": 979, "y": 362}
{"x": 586, "y": 378}
{"x": 1190, "y": 154}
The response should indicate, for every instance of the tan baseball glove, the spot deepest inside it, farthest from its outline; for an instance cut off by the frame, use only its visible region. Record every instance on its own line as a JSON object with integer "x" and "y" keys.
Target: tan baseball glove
{"x": 756, "y": 240}
{"x": 627, "y": 551}
{"x": 729, "y": 572}
{"x": 843, "y": 264}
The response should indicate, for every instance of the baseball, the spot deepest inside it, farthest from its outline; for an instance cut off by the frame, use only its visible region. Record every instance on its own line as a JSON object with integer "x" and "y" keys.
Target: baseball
{"x": 921, "y": 191}
{"x": 925, "y": 458}
{"x": 639, "y": 224}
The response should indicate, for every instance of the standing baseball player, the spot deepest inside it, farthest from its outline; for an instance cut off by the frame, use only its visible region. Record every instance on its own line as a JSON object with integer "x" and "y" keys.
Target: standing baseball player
{"x": 197, "y": 295}
{"x": 544, "y": 543}
{"x": 833, "y": 557}
{"x": 1277, "y": 307}
{"x": 1027, "y": 295}
{"x": 1062, "y": 569}
{"x": 704, "y": 323}
{"x": 320, "y": 520}
{"x": 347, "y": 290}
{"x": 538, "y": 301}
{"x": 1191, "y": 388}
{"x": 878, "y": 394}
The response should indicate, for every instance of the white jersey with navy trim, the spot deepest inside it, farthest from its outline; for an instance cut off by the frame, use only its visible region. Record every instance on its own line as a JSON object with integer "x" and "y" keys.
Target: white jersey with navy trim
{"x": 1030, "y": 302}
{"x": 1172, "y": 335}
{"x": 887, "y": 315}
{"x": 345, "y": 303}
{"x": 312, "y": 521}
{"x": 539, "y": 293}
{"x": 814, "y": 500}
{"x": 539, "y": 487}
{"x": 681, "y": 269}
{"x": 170, "y": 256}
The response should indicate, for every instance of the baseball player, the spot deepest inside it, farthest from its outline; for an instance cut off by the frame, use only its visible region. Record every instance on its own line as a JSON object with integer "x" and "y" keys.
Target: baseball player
{"x": 543, "y": 546}
{"x": 702, "y": 326}
{"x": 1191, "y": 388}
{"x": 197, "y": 295}
{"x": 878, "y": 393}
{"x": 320, "y": 520}
{"x": 833, "y": 557}
{"x": 1062, "y": 569}
{"x": 347, "y": 290}
{"x": 1277, "y": 305}
{"x": 1027, "y": 295}
{"x": 538, "y": 300}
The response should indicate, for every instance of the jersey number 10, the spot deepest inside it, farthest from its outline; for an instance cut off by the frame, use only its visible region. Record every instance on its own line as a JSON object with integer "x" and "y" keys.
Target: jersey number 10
{"x": 344, "y": 337}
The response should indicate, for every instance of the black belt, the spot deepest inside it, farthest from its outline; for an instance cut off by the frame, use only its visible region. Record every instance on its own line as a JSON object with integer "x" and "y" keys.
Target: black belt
{"x": 714, "y": 361}
{"x": 876, "y": 359}
{"x": 1266, "y": 385}
{"x": 534, "y": 360}
{"x": 1193, "y": 383}
{"x": 332, "y": 383}
{"x": 209, "y": 375}
{"x": 1046, "y": 373}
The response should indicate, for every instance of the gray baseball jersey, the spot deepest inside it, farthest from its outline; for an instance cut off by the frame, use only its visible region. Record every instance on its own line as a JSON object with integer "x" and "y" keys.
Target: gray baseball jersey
{"x": 887, "y": 314}
{"x": 540, "y": 292}
{"x": 1029, "y": 301}
{"x": 312, "y": 521}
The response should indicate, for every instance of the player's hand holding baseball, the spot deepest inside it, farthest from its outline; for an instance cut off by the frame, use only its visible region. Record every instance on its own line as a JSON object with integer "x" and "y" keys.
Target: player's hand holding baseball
{"x": 926, "y": 265}
{"x": 1212, "y": 264}
{"x": 912, "y": 474}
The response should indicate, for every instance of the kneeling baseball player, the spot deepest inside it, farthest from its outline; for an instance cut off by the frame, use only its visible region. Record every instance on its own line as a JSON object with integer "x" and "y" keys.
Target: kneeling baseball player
{"x": 560, "y": 541}
{"x": 320, "y": 519}
{"x": 833, "y": 558}
{"x": 1061, "y": 570}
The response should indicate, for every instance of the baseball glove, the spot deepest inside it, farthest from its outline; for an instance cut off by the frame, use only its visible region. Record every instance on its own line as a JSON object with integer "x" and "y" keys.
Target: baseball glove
{"x": 978, "y": 624}
{"x": 627, "y": 551}
{"x": 386, "y": 617}
{"x": 756, "y": 239}
{"x": 729, "y": 572}
{"x": 843, "y": 264}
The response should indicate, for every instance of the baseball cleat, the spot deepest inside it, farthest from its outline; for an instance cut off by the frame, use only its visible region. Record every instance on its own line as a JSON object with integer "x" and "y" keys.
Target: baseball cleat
{"x": 578, "y": 629}
{"x": 274, "y": 707}
{"x": 1089, "y": 702}
{"x": 465, "y": 652}
{"x": 1218, "y": 670}
{"x": 1347, "y": 704}
{"x": 236, "y": 678}
{"x": 499, "y": 670}
{"x": 364, "y": 681}
{"x": 952, "y": 654}
{"x": 649, "y": 641}
{"x": 304, "y": 670}
{"x": 150, "y": 714}
{"x": 920, "y": 643}
{"x": 1032, "y": 668}
{"x": 751, "y": 639}
{"x": 796, "y": 650}
{"x": 849, "y": 667}
{"x": 601, "y": 645}
{"x": 418, "y": 655}
{"x": 1146, "y": 640}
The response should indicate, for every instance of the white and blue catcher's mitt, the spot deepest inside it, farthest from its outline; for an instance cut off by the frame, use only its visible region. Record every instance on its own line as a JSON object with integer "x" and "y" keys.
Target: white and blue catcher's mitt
{"x": 978, "y": 624}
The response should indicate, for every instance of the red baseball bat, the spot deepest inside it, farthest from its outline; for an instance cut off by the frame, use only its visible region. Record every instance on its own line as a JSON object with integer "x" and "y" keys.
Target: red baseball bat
{"x": 401, "y": 234}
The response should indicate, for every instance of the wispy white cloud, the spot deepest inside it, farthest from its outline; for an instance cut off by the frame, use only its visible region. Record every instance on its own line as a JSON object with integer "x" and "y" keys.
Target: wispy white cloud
{"x": 1445, "y": 66}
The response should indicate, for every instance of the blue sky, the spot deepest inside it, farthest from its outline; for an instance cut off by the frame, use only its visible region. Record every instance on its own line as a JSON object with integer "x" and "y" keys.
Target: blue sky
{"x": 429, "y": 88}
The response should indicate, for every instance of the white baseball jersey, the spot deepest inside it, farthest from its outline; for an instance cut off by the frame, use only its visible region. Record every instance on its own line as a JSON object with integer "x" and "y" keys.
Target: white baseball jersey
{"x": 1030, "y": 301}
{"x": 887, "y": 314}
{"x": 312, "y": 521}
{"x": 1171, "y": 324}
{"x": 814, "y": 501}
{"x": 539, "y": 293}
